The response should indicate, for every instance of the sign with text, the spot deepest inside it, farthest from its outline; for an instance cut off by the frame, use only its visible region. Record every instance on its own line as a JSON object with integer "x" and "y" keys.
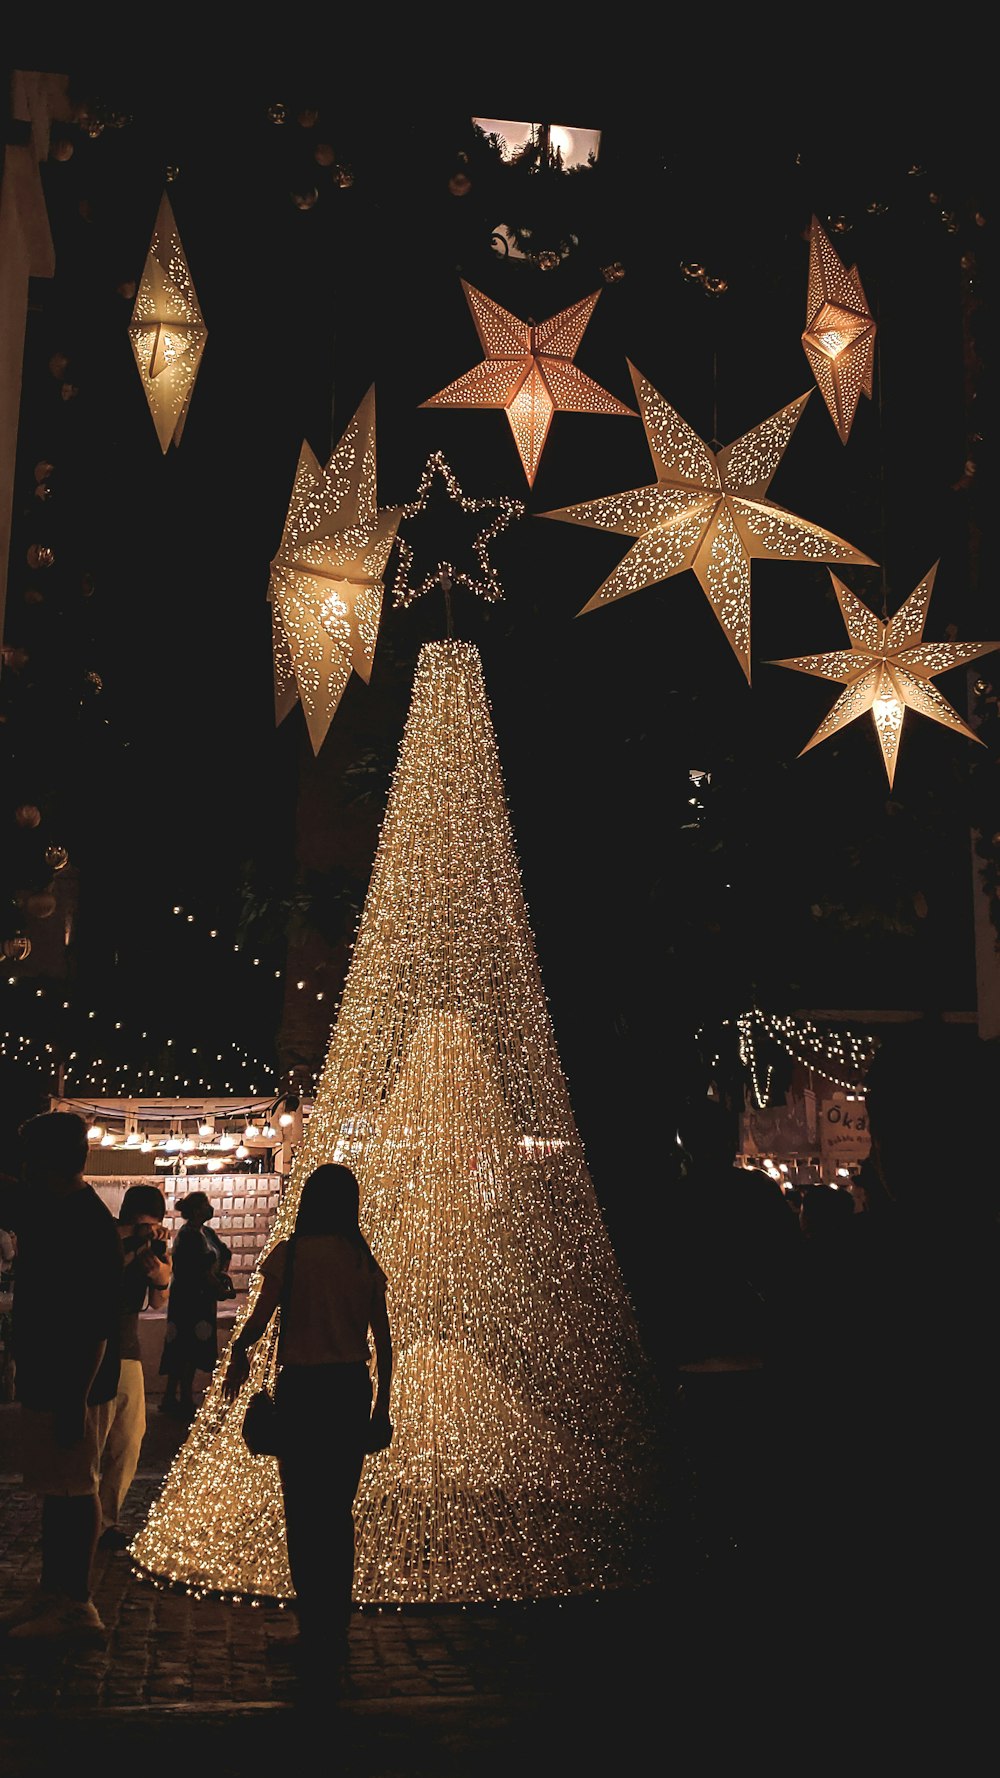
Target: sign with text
{"x": 844, "y": 1137}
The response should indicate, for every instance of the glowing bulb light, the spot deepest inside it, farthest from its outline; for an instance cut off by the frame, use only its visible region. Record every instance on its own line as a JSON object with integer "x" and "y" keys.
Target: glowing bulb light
{"x": 523, "y": 1463}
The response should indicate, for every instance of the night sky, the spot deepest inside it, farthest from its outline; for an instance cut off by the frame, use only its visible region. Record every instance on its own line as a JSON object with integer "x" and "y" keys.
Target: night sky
{"x": 802, "y": 883}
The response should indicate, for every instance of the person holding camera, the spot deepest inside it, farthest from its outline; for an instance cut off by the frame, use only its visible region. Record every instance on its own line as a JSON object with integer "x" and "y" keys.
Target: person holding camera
{"x": 201, "y": 1261}
{"x": 145, "y": 1281}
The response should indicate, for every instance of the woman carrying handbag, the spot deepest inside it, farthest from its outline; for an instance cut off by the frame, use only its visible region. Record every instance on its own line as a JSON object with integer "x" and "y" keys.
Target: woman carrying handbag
{"x": 336, "y": 1297}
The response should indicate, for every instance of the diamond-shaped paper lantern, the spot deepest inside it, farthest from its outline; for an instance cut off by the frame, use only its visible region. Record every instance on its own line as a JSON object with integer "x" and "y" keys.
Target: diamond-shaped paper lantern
{"x": 839, "y": 337}
{"x": 167, "y": 330}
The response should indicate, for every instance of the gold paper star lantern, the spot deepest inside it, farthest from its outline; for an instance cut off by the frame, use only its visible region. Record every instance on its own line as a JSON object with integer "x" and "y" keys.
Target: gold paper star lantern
{"x": 326, "y": 579}
{"x": 887, "y": 670}
{"x": 706, "y": 511}
{"x": 502, "y": 511}
{"x": 839, "y": 338}
{"x": 167, "y": 330}
{"x": 529, "y": 371}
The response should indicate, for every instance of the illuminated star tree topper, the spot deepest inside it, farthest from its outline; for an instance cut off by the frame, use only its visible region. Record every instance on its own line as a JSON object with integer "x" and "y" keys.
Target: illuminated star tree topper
{"x": 497, "y": 513}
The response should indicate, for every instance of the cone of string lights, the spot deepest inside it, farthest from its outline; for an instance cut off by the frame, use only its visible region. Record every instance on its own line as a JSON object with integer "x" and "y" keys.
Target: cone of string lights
{"x": 523, "y": 1463}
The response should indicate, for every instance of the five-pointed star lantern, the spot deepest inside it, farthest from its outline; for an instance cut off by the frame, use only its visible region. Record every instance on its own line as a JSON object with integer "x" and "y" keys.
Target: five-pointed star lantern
{"x": 167, "y": 329}
{"x": 839, "y": 337}
{"x": 529, "y": 371}
{"x": 326, "y": 579}
{"x": 887, "y": 669}
{"x": 706, "y": 511}
{"x": 486, "y": 584}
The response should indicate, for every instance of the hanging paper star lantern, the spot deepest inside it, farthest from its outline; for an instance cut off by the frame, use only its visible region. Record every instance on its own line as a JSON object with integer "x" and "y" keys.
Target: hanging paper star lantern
{"x": 706, "y": 511}
{"x": 529, "y": 371}
{"x": 839, "y": 337}
{"x": 887, "y": 670}
{"x": 167, "y": 330}
{"x": 486, "y": 584}
{"x": 326, "y": 579}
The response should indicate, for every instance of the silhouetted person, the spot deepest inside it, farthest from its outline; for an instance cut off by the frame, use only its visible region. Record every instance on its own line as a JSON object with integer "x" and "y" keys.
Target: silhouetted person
{"x": 324, "y": 1396}
{"x": 66, "y": 1318}
{"x": 191, "y": 1341}
{"x": 145, "y": 1280}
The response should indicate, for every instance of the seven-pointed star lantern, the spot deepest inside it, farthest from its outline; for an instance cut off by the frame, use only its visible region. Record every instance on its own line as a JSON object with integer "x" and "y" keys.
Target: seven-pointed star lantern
{"x": 326, "y": 579}
{"x": 167, "y": 329}
{"x": 887, "y": 669}
{"x": 529, "y": 371}
{"x": 706, "y": 511}
{"x": 839, "y": 337}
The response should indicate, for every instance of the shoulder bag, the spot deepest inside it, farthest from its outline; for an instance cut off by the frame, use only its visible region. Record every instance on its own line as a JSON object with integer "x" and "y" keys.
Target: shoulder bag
{"x": 261, "y": 1420}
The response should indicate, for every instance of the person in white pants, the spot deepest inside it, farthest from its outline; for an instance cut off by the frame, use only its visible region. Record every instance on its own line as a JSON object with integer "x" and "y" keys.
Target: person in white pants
{"x": 146, "y": 1279}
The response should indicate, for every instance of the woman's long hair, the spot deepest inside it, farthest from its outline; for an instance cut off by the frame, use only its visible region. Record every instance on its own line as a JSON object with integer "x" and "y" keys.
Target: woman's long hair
{"x": 330, "y": 1204}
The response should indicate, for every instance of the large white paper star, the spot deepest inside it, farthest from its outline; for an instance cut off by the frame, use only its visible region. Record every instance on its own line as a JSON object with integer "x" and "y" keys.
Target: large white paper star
{"x": 326, "y": 579}
{"x": 529, "y": 371}
{"x": 887, "y": 670}
{"x": 706, "y": 511}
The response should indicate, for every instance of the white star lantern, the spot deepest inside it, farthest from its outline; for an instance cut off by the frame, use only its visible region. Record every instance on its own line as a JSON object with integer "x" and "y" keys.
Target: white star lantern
{"x": 706, "y": 511}
{"x": 887, "y": 670}
{"x": 326, "y": 579}
{"x": 839, "y": 337}
{"x": 167, "y": 330}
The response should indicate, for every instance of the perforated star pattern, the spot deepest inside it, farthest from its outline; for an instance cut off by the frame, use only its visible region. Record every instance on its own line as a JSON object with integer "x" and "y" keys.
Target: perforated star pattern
{"x": 839, "y": 337}
{"x": 887, "y": 670}
{"x": 326, "y": 579}
{"x": 529, "y": 371}
{"x": 487, "y": 585}
{"x": 706, "y": 511}
{"x": 167, "y": 330}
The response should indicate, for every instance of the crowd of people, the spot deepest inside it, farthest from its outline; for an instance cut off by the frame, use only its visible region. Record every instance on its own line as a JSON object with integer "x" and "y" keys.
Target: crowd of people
{"x": 875, "y": 1318}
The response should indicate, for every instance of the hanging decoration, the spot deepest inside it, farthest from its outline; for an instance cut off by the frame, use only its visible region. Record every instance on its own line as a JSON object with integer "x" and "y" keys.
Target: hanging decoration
{"x": 706, "y": 511}
{"x": 523, "y": 1461}
{"x": 887, "y": 670}
{"x": 528, "y": 370}
{"x": 839, "y": 337}
{"x": 167, "y": 330}
{"x": 486, "y": 584}
{"x": 326, "y": 579}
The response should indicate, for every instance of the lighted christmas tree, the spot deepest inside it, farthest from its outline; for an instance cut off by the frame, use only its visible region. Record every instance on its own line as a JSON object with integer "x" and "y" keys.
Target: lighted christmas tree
{"x": 523, "y": 1462}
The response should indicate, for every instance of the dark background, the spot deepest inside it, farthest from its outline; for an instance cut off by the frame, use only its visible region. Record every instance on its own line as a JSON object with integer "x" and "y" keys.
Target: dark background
{"x": 799, "y": 884}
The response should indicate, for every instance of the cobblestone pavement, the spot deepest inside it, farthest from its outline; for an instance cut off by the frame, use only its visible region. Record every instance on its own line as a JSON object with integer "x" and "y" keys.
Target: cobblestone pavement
{"x": 432, "y": 1693}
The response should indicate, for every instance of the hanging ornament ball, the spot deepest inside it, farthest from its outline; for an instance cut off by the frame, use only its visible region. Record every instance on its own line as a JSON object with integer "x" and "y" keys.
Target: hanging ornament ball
{"x": 276, "y": 113}
{"x": 41, "y": 906}
{"x": 17, "y": 948}
{"x": 126, "y": 289}
{"x": 715, "y": 286}
{"x": 841, "y": 225}
{"x": 877, "y": 207}
{"x": 95, "y": 681}
{"x": 308, "y": 117}
{"x": 40, "y": 555}
{"x": 459, "y": 184}
{"x": 61, "y": 149}
{"x": 613, "y": 273}
{"x": 323, "y": 154}
{"x": 692, "y": 271}
{"x": 344, "y": 178}
{"x": 56, "y": 857}
{"x": 33, "y": 596}
{"x": 28, "y": 815}
{"x": 43, "y": 491}
{"x": 172, "y": 172}
{"x": 305, "y": 200}
{"x": 547, "y": 259}
{"x": 43, "y": 470}
{"x": 58, "y": 365}
{"x": 69, "y": 392}
{"x": 87, "y": 585}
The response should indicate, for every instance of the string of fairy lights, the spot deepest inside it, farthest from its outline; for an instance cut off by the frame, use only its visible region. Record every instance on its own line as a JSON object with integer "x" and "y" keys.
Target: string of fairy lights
{"x": 522, "y": 1461}
{"x": 839, "y": 1056}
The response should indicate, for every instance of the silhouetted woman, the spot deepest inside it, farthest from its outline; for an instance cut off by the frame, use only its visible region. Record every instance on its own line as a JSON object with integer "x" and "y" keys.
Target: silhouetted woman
{"x": 324, "y": 1394}
{"x": 191, "y": 1342}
